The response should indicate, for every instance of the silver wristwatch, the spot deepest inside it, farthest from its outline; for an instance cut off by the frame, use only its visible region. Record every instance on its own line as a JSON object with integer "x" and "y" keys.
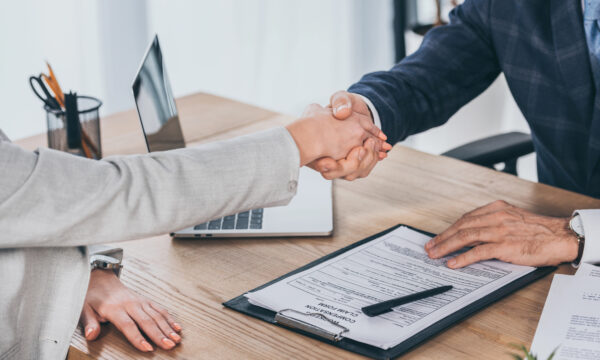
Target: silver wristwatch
{"x": 104, "y": 262}
{"x": 576, "y": 226}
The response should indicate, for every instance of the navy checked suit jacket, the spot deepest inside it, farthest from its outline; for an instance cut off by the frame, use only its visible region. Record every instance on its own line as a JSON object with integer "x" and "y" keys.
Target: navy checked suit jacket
{"x": 540, "y": 47}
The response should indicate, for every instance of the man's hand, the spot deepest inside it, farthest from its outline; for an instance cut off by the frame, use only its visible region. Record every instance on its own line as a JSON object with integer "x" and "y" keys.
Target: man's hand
{"x": 108, "y": 299}
{"x": 318, "y": 134}
{"x": 505, "y": 232}
{"x": 344, "y": 106}
{"x": 358, "y": 164}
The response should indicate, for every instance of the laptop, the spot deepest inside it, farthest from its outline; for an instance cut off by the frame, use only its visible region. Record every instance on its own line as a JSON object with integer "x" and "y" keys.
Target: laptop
{"x": 310, "y": 213}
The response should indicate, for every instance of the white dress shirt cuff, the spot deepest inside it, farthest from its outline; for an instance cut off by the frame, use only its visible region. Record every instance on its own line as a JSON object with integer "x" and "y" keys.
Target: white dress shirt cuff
{"x": 591, "y": 228}
{"x": 374, "y": 112}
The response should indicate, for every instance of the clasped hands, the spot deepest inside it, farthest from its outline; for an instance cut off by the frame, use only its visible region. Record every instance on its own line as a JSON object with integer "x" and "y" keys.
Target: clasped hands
{"x": 347, "y": 149}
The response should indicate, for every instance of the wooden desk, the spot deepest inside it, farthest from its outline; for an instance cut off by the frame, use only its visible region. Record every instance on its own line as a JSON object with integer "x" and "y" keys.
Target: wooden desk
{"x": 192, "y": 278}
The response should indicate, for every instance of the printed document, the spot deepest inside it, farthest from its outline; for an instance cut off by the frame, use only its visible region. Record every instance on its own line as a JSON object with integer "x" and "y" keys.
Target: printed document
{"x": 570, "y": 321}
{"x": 391, "y": 266}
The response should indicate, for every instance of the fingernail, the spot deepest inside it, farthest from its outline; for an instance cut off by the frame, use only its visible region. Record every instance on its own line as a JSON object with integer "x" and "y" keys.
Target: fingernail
{"x": 175, "y": 337}
{"x": 168, "y": 343}
{"x": 339, "y": 108}
{"x": 324, "y": 170}
{"x": 177, "y": 327}
{"x": 382, "y": 136}
{"x": 147, "y": 346}
{"x": 451, "y": 262}
{"x": 88, "y": 331}
{"x": 361, "y": 153}
{"x": 428, "y": 245}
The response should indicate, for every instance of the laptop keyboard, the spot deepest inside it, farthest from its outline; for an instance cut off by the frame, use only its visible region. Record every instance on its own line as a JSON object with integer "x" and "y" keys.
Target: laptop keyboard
{"x": 241, "y": 221}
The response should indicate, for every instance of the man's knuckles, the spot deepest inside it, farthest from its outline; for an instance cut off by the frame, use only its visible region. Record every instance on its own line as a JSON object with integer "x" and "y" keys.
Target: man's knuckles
{"x": 466, "y": 236}
{"x": 505, "y": 214}
{"x": 501, "y": 204}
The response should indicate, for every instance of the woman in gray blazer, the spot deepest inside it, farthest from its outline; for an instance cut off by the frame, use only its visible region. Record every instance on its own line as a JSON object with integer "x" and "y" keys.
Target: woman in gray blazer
{"x": 53, "y": 206}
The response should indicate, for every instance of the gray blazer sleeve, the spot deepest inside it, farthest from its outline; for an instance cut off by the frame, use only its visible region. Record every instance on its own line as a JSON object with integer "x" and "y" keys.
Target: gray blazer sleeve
{"x": 49, "y": 198}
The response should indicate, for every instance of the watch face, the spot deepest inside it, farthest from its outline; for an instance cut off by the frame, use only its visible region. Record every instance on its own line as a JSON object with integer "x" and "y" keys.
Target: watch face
{"x": 103, "y": 261}
{"x": 577, "y": 225}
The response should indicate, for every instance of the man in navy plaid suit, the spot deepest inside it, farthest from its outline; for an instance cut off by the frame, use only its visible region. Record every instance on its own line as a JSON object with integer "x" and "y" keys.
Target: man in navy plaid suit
{"x": 549, "y": 52}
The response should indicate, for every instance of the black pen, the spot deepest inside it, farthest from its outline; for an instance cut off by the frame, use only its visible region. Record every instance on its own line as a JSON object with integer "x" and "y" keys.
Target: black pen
{"x": 386, "y": 306}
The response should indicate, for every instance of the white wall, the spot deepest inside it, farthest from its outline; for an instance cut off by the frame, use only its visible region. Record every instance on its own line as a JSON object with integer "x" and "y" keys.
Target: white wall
{"x": 281, "y": 55}
{"x": 29, "y": 34}
{"x": 276, "y": 54}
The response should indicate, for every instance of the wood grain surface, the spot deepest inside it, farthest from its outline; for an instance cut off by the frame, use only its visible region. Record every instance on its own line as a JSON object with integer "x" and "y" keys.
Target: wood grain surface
{"x": 191, "y": 278}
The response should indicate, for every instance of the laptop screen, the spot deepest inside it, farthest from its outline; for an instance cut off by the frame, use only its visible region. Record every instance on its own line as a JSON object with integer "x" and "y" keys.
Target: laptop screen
{"x": 155, "y": 103}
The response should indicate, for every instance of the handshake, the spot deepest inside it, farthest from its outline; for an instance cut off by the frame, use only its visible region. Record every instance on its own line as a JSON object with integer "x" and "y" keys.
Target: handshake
{"x": 347, "y": 149}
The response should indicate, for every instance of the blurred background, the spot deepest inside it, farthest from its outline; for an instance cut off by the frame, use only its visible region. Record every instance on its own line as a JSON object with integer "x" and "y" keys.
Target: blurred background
{"x": 277, "y": 54}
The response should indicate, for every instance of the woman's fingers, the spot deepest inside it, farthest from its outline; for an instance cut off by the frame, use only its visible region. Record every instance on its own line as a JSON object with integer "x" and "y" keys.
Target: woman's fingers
{"x": 369, "y": 162}
{"x": 358, "y": 164}
{"x": 366, "y": 160}
{"x": 89, "y": 321}
{"x": 345, "y": 166}
{"x": 129, "y": 328}
{"x": 174, "y": 324}
{"x": 162, "y": 323}
{"x": 108, "y": 299}
{"x": 351, "y": 164}
{"x": 147, "y": 324}
{"x": 311, "y": 109}
{"x": 323, "y": 165}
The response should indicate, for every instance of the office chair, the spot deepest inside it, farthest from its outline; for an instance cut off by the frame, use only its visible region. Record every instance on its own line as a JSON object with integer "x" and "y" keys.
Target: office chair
{"x": 498, "y": 149}
{"x": 504, "y": 149}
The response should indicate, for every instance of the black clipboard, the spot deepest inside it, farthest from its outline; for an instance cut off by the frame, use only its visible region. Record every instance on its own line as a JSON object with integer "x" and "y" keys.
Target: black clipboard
{"x": 242, "y": 305}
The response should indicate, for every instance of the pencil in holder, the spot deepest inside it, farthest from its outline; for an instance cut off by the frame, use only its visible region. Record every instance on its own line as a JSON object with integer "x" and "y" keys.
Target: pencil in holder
{"x": 76, "y": 129}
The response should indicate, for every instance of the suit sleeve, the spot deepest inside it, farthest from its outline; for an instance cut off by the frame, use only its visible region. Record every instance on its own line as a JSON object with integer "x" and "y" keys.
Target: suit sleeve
{"x": 454, "y": 64}
{"x": 49, "y": 198}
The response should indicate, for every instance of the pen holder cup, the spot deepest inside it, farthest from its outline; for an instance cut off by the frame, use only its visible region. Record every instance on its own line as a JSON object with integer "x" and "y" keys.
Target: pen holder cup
{"x": 89, "y": 119}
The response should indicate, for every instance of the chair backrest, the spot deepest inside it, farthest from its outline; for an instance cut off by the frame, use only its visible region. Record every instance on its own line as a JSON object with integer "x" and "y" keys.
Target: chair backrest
{"x": 504, "y": 148}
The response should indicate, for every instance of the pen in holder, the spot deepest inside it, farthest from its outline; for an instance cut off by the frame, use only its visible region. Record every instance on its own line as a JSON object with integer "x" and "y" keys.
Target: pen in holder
{"x": 75, "y": 129}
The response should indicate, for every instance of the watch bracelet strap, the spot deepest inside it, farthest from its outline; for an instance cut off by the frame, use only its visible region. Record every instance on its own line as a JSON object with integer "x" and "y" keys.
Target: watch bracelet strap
{"x": 115, "y": 267}
{"x": 580, "y": 246}
{"x": 580, "y": 241}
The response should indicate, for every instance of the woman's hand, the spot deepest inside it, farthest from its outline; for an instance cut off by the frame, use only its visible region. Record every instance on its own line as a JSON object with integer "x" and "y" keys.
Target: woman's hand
{"x": 107, "y": 299}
